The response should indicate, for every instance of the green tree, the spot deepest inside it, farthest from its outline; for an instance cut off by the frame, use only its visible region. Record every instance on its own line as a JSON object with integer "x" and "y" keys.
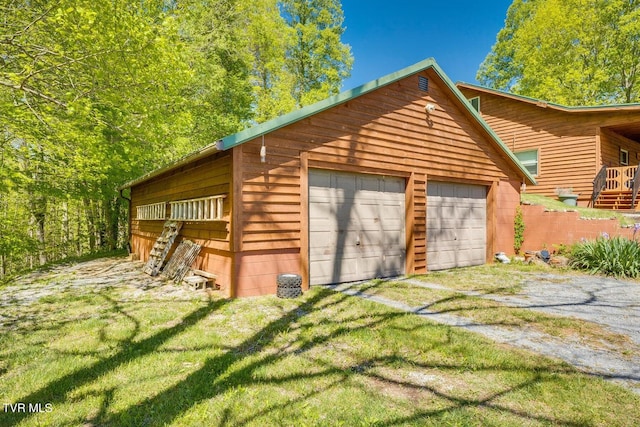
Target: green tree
{"x": 268, "y": 39}
{"x": 95, "y": 93}
{"x": 86, "y": 90}
{"x": 573, "y": 52}
{"x": 318, "y": 60}
{"x": 219, "y": 95}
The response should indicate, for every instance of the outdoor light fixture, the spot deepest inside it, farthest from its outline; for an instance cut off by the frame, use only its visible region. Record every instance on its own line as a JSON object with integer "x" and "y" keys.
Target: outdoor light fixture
{"x": 430, "y": 108}
{"x": 263, "y": 152}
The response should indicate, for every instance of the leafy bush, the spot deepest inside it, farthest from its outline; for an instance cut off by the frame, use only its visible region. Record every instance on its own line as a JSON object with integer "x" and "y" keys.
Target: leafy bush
{"x": 618, "y": 256}
{"x": 518, "y": 228}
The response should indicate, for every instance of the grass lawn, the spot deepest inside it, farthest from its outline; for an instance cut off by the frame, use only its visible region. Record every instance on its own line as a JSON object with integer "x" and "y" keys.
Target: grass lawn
{"x": 132, "y": 352}
{"x": 590, "y": 213}
{"x": 460, "y": 291}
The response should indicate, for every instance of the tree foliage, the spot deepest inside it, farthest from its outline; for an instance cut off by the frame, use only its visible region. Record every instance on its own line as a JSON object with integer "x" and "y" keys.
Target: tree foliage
{"x": 573, "y": 52}
{"x": 317, "y": 59}
{"x": 95, "y": 93}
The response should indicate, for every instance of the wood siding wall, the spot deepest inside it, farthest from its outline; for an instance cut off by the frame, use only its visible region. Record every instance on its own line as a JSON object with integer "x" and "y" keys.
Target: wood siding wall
{"x": 611, "y": 143}
{"x": 207, "y": 177}
{"x": 570, "y": 144}
{"x": 384, "y": 132}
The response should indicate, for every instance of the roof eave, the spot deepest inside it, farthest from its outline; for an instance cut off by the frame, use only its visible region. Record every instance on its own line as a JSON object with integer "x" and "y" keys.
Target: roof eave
{"x": 191, "y": 157}
{"x": 526, "y": 175}
{"x": 545, "y": 104}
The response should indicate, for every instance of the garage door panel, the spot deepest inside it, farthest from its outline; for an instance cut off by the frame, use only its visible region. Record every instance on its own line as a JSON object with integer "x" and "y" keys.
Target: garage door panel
{"x": 328, "y": 270}
{"x": 394, "y": 186}
{"x": 456, "y": 225}
{"x": 335, "y": 240}
{"x": 345, "y": 184}
{"x": 357, "y": 218}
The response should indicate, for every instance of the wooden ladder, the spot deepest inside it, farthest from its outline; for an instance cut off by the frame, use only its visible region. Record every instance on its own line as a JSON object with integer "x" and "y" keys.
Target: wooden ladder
{"x": 161, "y": 247}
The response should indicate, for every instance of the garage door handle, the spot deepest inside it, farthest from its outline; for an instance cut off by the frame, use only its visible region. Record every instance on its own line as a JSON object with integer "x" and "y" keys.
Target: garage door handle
{"x": 358, "y": 241}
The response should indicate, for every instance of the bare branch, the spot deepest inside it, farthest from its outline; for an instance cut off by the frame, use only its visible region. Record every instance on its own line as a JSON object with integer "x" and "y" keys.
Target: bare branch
{"x": 33, "y": 92}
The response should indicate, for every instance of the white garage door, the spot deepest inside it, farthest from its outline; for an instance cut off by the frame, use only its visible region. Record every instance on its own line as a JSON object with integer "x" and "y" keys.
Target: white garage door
{"x": 356, "y": 227}
{"x": 456, "y": 225}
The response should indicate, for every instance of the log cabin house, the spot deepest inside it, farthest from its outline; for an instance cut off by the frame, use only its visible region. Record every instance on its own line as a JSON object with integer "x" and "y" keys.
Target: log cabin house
{"x": 595, "y": 151}
{"x": 397, "y": 176}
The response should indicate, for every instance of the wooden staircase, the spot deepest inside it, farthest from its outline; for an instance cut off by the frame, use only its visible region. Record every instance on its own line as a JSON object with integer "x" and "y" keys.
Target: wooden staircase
{"x": 161, "y": 247}
{"x": 619, "y": 200}
{"x": 616, "y": 188}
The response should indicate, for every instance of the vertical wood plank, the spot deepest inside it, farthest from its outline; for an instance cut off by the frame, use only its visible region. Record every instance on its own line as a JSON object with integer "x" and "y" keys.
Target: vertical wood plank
{"x": 235, "y": 244}
{"x": 491, "y": 219}
{"x": 410, "y": 214}
{"x": 420, "y": 222}
{"x": 304, "y": 219}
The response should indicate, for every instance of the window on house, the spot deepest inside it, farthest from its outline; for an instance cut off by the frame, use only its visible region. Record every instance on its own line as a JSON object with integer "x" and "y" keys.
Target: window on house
{"x": 153, "y": 211}
{"x": 202, "y": 209}
{"x": 624, "y": 157}
{"x": 529, "y": 160}
{"x": 475, "y": 103}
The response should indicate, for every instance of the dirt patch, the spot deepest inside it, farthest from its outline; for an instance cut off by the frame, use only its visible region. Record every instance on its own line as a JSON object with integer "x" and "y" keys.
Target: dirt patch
{"x": 86, "y": 278}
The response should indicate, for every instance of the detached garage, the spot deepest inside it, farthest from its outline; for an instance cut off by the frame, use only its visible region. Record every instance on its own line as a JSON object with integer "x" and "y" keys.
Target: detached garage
{"x": 398, "y": 176}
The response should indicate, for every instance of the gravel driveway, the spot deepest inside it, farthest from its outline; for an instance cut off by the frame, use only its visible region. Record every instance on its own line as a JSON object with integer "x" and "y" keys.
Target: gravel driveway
{"x": 611, "y": 303}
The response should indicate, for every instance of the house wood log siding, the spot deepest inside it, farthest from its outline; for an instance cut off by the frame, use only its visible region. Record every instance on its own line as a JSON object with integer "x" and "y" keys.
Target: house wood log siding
{"x": 573, "y": 144}
{"x": 206, "y": 177}
{"x": 383, "y": 132}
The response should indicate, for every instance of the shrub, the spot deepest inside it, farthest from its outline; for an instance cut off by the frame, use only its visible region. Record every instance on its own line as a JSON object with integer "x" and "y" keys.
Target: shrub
{"x": 618, "y": 256}
{"x": 518, "y": 229}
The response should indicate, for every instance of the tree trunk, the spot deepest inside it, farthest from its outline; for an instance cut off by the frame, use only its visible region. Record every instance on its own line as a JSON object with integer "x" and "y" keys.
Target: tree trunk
{"x": 65, "y": 229}
{"x": 112, "y": 219}
{"x": 79, "y": 230}
{"x": 39, "y": 215}
{"x": 91, "y": 224}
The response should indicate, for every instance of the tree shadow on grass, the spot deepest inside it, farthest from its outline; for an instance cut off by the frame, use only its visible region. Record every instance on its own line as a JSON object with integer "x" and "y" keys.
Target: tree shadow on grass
{"x": 234, "y": 370}
{"x": 241, "y": 366}
{"x": 57, "y": 391}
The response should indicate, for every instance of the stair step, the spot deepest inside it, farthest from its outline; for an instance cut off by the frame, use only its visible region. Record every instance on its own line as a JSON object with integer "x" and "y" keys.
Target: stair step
{"x": 614, "y": 201}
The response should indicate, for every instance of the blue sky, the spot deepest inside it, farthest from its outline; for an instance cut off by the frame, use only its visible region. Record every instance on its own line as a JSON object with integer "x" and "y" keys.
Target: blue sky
{"x": 386, "y": 36}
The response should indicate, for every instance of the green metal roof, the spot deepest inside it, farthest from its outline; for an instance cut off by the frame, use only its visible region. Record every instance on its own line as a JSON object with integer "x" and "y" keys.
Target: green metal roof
{"x": 295, "y": 116}
{"x": 310, "y": 110}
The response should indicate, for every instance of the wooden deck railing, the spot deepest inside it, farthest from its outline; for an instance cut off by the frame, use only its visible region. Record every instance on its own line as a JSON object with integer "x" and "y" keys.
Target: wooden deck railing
{"x": 616, "y": 187}
{"x": 620, "y": 178}
{"x": 599, "y": 184}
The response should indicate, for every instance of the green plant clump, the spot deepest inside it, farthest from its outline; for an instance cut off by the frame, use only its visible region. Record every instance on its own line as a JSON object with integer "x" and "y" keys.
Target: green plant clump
{"x": 518, "y": 228}
{"x": 617, "y": 256}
